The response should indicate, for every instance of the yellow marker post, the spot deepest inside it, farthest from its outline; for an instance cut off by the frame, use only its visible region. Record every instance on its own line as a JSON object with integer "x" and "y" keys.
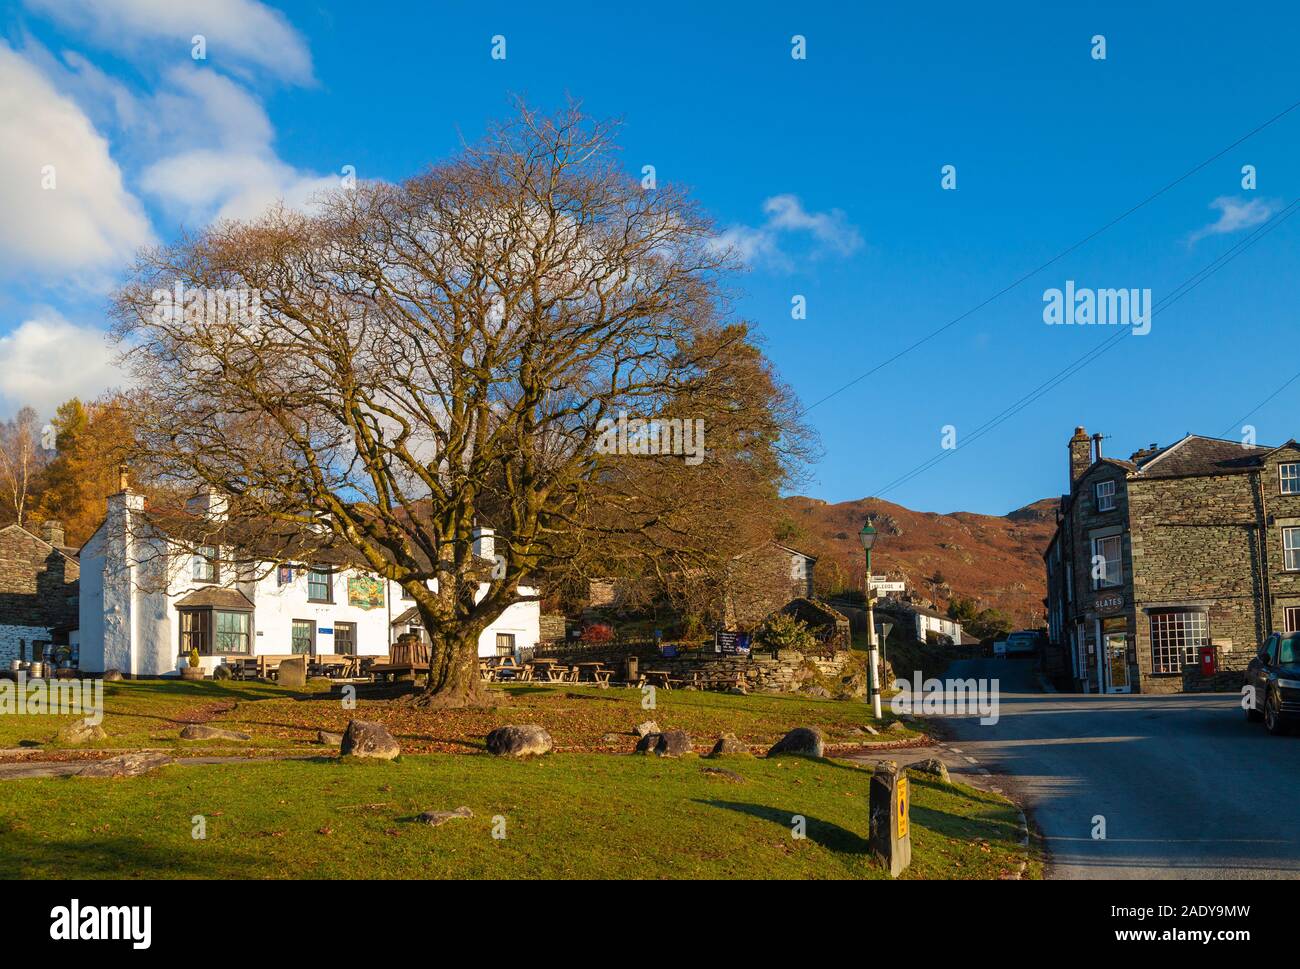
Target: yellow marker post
{"x": 891, "y": 840}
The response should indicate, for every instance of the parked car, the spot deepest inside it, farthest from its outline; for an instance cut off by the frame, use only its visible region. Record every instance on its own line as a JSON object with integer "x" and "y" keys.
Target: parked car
{"x": 1274, "y": 678}
{"x": 1023, "y": 643}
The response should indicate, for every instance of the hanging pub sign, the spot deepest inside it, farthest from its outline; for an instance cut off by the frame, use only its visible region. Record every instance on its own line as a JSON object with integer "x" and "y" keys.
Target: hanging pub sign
{"x": 365, "y": 592}
{"x": 730, "y": 643}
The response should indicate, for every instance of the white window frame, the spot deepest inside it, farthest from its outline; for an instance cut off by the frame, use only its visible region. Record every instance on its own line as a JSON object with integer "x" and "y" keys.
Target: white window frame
{"x": 203, "y": 566}
{"x": 1176, "y": 639}
{"x": 1101, "y": 495}
{"x": 1291, "y": 548}
{"x": 1114, "y": 576}
{"x": 1291, "y": 619}
{"x": 1288, "y": 478}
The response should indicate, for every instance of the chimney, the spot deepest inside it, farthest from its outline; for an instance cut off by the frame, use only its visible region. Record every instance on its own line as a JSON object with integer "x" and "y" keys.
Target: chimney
{"x": 1080, "y": 455}
{"x": 209, "y": 503}
{"x": 52, "y": 532}
{"x": 1096, "y": 453}
{"x": 484, "y": 543}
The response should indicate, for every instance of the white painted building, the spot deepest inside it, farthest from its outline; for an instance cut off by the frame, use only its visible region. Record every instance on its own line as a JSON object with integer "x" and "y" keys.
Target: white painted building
{"x": 145, "y": 601}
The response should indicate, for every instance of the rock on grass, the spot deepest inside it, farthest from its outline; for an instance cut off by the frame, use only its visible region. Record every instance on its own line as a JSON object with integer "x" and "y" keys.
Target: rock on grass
{"x": 365, "y": 738}
{"x": 519, "y": 740}
{"x": 804, "y": 741}
{"x": 199, "y": 731}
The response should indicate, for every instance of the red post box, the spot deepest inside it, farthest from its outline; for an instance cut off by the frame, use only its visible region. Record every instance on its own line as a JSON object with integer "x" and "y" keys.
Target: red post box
{"x": 1207, "y": 661}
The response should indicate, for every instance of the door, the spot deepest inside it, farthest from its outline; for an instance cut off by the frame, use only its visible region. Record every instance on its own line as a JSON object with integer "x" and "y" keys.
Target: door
{"x": 304, "y": 637}
{"x": 1115, "y": 651}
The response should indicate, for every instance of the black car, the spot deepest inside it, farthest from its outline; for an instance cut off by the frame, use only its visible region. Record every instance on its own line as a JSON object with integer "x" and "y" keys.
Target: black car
{"x": 1274, "y": 675}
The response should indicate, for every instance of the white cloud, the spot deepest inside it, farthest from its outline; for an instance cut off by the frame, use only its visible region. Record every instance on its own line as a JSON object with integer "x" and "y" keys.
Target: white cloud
{"x": 830, "y": 231}
{"x": 1235, "y": 214}
{"x": 210, "y": 184}
{"x": 47, "y": 359}
{"x": 88, "y": 223}
{"x": 238, "y": 32}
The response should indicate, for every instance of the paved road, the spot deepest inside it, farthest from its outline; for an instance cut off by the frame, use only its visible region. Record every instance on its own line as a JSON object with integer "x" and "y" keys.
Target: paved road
{"x": 1188, "y": 788}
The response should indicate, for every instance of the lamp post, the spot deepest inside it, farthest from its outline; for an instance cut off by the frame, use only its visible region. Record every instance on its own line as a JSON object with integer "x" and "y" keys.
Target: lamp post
{"x": 868, "y": 538}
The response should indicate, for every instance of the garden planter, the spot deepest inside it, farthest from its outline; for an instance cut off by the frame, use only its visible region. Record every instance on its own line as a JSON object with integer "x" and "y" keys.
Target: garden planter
{"x": 192, "y": 673}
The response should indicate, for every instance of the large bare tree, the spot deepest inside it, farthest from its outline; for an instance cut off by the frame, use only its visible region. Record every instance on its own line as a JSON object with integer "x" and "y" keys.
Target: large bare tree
{"x": 411, "y": 360}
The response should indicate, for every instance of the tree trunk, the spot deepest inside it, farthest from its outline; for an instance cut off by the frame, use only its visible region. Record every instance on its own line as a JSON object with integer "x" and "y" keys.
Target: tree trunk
{"x": 453, "y": 674}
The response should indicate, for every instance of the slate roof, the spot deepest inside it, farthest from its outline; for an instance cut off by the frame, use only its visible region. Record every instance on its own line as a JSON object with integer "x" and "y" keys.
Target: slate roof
{"x": 1197, "y": 455}
{"x": 216, "y": 598}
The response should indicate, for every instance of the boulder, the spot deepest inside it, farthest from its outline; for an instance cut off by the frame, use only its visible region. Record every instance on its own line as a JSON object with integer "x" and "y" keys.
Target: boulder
{"x": 435, "y": 818}
{"x": 365, "y": 738}
{"x": 805, "y": 741}
{"x": 127, "y": 765}
{"x": 670, "y": 743}
{"x": 519, "y": 740}
{"x": 817, "y": 691}
{"x": 649, "y": 727}
{"x": 292, "y": 672}
{"x": 613, "y": 738}
{"x": 728, "y": 744}
{"x": 896, "y": 727}
{"x": 80, "y": 732}
{"x": 201, "y": 731}
{"x": 933, "y": 766}
{"x": 737, "y": 691}
{"x": 329, "y": 739}
{"x": 112, "y": 676}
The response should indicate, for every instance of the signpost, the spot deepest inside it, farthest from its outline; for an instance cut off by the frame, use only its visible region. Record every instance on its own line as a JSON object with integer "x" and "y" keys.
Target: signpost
{"x": 891, "y": 829}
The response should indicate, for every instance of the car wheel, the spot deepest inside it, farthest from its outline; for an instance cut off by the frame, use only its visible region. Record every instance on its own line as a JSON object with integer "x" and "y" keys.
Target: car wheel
{"x": 1273, "y": 719}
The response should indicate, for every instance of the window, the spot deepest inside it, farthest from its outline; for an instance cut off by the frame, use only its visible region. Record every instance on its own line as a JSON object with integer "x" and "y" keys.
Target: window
{"x": 215, "y": 632}
{"x": 232, "y": 632}
{"x": 1289, "y": 476}
{"x": 320, "y": 585}
{"x": 345, "y": 638}
{"x": 303, "y": 637}
{"x": 1107, "y": 566}
{"x": 1291, "y": 549}
{"x": 1288, "y": 651}
{"x": 505, "y": 644}
{"x": 196, "y": 630}
{"x": 1105, "y": 495}
{"x": 1175, "y": 639}
{"x": 1292, "y": 619}
{"x": 204, "y": 564}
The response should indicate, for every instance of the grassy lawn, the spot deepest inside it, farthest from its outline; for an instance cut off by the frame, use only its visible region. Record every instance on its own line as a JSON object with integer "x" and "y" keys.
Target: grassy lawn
{"x": 150, "y": 713}
{"x": 567, "y": 815}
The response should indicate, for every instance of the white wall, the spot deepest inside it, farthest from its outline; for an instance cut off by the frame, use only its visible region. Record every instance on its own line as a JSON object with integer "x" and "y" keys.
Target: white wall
{"x": 129, "y": 619}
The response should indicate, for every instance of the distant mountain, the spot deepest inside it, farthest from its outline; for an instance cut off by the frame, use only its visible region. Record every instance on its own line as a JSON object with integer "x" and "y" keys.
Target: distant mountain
{"x": 996, "y": 560}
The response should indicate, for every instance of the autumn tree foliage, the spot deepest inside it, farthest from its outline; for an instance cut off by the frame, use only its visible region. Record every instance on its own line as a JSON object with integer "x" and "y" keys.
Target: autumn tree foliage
{"x": 447, "y": 352}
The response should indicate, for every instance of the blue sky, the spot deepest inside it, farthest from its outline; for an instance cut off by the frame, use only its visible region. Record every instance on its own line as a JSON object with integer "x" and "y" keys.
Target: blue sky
{"x": 826, "y": 170}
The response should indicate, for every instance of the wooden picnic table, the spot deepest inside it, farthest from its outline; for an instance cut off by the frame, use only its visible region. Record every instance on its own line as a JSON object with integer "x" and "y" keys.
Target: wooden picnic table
{"x": 597, "y": 672}
{"x": 661, "y": 679}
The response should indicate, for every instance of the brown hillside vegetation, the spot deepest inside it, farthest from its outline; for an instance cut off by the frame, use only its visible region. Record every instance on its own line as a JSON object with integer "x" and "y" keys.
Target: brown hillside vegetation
{"x": 996, "y": 560}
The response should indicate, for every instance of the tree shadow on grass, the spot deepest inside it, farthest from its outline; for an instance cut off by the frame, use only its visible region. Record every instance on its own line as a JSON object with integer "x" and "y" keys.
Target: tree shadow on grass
{"x": 120, "y": 857}
{"x": 824, "y": 833}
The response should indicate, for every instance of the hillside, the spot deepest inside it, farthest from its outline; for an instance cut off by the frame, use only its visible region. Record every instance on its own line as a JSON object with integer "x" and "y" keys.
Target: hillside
{"x": 996, "y": 560}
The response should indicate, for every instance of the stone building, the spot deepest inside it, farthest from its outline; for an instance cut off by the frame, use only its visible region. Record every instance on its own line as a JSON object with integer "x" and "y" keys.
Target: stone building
{"x": 762, "y": 581}
{"x": 1177, "y": 548}
{"x": 38, "y": 592}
